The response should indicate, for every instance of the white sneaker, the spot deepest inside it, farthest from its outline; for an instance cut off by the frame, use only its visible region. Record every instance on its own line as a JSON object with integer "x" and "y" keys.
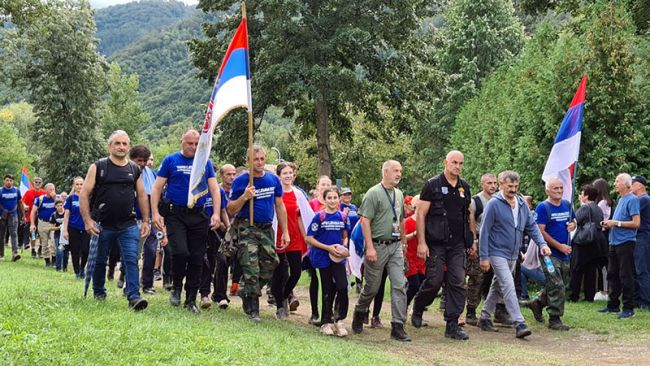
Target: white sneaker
{"x": 601, "y": 297}
{"x": 327, "y": 329}
{"x": 223, "y": 304}
{"x": 340, "y": 330}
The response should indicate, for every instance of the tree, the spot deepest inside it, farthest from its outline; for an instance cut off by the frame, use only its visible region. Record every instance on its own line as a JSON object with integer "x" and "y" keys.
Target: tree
{"x": 477, "y": 37}
{"x": 54, "y": 58}
{"x": 12, "y": 149}
{"x": 322, "y": 62}
{"x": 122, "y": 110}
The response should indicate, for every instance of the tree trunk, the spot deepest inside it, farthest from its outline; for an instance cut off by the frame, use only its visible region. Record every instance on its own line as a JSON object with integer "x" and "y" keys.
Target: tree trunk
{"x": 323, "y": 139}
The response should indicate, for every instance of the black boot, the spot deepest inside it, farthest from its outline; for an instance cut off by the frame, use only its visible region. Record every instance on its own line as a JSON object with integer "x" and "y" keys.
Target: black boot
{"x": 555, "y": 323}
{"x": 501, "y": 315}
{"x": 357, "y": 321}
{"x": 254, "y": 315}
{"x": 398, "y": 333}
{"x": 246, "y": 304}
{"x": 167, "y": 282}
{"x": 175, "y": 297}
{"x": 53, "y": 262}
{"x": 470, "y": 317}
{"x": 47, "y": 262}
{"x": 455, "y": 332}
{"x": 416, "y": 319}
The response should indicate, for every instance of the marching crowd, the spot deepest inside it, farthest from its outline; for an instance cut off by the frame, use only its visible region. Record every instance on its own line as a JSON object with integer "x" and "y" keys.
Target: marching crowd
{"x": 445, "y": 242}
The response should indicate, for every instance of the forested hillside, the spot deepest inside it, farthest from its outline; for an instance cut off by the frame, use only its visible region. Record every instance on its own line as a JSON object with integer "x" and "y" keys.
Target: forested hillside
{"x": 119, "y": 25}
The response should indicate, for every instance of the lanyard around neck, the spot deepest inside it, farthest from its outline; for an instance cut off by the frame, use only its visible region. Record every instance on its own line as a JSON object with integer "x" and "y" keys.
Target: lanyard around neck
{"x": 391, "y": 201}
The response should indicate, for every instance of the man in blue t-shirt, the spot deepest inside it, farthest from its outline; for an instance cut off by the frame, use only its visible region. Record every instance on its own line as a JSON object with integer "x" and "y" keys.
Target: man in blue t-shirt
{"x": 642, "y": 247}
{"x": 11, "y": 207}
{"x": 256, "y": 253}
{"x": 555, "y": 219}
{"x": 186, "y": 228}
{"x": 622, "y": 239}
{"x": 40, "y": 218}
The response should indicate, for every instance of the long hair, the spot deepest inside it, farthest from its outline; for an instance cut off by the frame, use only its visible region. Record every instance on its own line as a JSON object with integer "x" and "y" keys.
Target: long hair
{"x": 603, "y": 191}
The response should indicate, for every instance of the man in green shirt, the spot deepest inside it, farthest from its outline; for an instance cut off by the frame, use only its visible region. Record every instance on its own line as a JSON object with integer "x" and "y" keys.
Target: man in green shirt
{"x": 382, "y": 223}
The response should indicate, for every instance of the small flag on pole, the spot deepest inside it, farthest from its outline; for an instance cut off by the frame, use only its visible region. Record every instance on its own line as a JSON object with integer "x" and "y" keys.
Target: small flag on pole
{"x": 564, "y": 154}
{"x": 232, "y": 90}
{"x": 25, "y": 184}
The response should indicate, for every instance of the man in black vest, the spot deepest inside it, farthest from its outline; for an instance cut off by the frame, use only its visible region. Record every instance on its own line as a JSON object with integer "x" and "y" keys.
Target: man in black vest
{"x": 443, "y": 232}
{"x": 107, "y": 207}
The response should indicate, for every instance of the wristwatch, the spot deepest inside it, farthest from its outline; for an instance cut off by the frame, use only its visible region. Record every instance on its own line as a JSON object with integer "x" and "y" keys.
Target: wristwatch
{"x": 618, "y": 223}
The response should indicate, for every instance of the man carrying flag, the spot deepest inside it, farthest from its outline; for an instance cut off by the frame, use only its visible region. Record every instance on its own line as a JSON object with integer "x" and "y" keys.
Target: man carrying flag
{"x": 555, "y": 216}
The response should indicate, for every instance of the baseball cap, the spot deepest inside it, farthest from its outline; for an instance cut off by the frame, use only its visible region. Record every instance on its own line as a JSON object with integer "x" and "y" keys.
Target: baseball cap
{"x": 346, "y": 190}
{"x": 408, "y": 199}
{"x": 639, "y": 178}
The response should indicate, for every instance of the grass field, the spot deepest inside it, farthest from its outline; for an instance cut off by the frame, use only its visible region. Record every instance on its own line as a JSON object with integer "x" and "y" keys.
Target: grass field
{"x": 45, "y": 320}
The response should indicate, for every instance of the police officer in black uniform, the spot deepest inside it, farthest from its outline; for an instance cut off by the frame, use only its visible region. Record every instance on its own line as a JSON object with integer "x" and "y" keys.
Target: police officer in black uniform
{"x": 444, "y": 233}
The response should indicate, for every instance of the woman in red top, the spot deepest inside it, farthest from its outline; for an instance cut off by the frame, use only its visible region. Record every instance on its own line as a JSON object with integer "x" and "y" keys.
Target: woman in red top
{"x": 415, "y": 274}
{"x": 318, "y": 204}
{"x": 287, "y": 273}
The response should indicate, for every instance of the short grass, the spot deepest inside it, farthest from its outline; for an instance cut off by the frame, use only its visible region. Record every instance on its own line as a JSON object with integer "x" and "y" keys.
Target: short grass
{"x": 45, "y": 320}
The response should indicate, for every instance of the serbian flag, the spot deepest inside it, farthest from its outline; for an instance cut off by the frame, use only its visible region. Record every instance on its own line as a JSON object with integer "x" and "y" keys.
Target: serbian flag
{"x": 562, "y": 161}
{"x": 25, "y": 184}
{"x": 232, "y": 90}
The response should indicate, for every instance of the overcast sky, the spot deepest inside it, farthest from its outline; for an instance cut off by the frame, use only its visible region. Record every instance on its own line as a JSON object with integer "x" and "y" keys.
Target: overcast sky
{"x": 104, "y": 3}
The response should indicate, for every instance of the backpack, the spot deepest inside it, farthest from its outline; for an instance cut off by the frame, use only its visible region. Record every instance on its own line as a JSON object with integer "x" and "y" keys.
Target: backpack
{"x": 322, "y": 214}
{"x": 478, "y": 204}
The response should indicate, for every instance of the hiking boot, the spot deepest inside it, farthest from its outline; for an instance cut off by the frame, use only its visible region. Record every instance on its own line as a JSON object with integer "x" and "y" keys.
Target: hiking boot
{"x": 315, "y": 320}
{"x": 293, "y": 303}
{"x": 398, "y": 333}
{"x": 376, "y": 322}
{"x": 15, "y": 257}
{"x": 205, "y": 302}
{"x": 175, "y": 297}
{"x": 254, "y": 315}
{"x": 149, "y": 291}
{"x": 192, "y": 308}
{"x": 470, "y": 317}
{"x": 486, "y": 325}
{"x": 47, "y": 262}
{"x": 357, "y": 321}
{"x": 501, "y": 315}
{"x": 339, "y": 329}
{"x": 416, "y": 320}
{"x": 453, "y": 331}
{"x": 281, "y": 314}
{"x": 327, "y": 329}
{"x": 138, "y": 304}
{"x": 245, "y": 304}
{"x": 536, "y": 307}
{"x": 555, "y": 323}
{"x": 522, "y": 331}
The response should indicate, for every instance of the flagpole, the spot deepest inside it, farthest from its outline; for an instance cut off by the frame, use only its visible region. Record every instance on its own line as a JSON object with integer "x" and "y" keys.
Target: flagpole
{"x": 250, "y": 144}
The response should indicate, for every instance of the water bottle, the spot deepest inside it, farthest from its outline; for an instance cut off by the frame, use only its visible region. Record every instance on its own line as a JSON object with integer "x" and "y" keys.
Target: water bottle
{"x": 549, "y": 264}
{"x": 33, "y": 235}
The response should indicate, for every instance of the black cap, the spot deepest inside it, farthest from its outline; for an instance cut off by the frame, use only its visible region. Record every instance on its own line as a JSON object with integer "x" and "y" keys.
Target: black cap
{"x": 640, "y": 179}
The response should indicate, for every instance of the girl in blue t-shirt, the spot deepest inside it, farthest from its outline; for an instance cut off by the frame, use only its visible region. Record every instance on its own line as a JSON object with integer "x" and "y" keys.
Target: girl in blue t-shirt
{"x": 328, "y": 237}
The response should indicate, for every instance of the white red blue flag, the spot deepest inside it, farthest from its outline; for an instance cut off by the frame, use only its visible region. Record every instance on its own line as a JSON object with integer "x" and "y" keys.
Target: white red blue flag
{"x": 562, "y": 161}
{"x": 25, "y": 184}
{"x": 232, "y": 90}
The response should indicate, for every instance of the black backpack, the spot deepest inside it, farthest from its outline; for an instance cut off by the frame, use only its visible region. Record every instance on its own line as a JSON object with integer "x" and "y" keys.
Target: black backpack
{"x": 478, "y": 204}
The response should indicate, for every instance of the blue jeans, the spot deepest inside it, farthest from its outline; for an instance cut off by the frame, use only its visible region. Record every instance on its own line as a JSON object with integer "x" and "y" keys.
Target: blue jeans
{"x": 642, "y": 267}
{"x": 128, "y": 240}
{"x": 61, "y": 255}
{"x": 537, "y": 275}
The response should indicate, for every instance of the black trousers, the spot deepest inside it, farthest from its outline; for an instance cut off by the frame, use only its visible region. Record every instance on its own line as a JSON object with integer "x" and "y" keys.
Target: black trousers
{"x": 214, "y": 267}
{"x": 414, "y": 283}
{"x": 583, "y": 273}
{"x": 79, "y": 246}
{"x": 620, "y": 274}
{"x": 334, "y": 283}
{"x": 454, "y": 256}
{"x": 286, "y": 275}
{"x": 187, "y": 233}
{"x": 313, "y": 285}
{"x": 378, "y": 301}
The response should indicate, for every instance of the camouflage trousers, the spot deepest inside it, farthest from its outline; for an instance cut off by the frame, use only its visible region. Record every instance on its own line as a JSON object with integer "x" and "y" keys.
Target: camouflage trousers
{"x": 474, "y": 281}
{"x": 553, "y": 294}
{"x": 257, "y": 257}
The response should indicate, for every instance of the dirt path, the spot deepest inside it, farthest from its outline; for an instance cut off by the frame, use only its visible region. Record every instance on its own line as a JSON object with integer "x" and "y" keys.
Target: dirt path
{"x": 430, "y": 347}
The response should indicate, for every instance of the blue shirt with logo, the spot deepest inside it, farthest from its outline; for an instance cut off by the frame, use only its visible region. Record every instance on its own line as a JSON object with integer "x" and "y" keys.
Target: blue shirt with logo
{"x": 9, "y": 200}
{"x": 327, "y": 230}
{"x": 627, "y": 207}
{"x": 209, "y": 206}
{"x": 556, "y": 225}
{"x": 46, "y": 208}
{"x": 75, "y": 220}
{"x": 177, "y": 170}
{"x": 267, "y": 189}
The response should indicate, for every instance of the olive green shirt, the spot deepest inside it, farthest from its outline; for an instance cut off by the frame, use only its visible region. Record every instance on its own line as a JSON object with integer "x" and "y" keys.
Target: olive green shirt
{"x": 376, "y": 206}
